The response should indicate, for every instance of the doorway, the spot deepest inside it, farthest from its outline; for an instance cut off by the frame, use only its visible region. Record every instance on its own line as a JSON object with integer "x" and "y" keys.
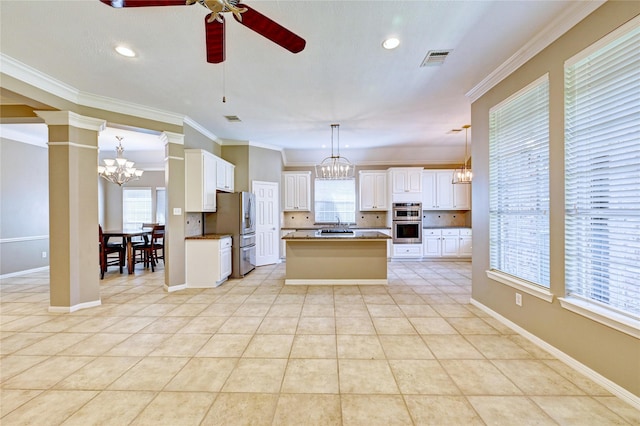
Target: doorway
{"x": 267, "y": 222}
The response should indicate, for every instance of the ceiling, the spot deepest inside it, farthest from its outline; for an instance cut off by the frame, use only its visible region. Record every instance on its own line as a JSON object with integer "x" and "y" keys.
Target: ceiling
{"x": 390, "y": 109}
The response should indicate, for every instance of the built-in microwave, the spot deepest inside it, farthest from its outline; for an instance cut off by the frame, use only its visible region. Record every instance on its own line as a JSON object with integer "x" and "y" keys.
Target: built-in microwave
{"x": 407, "y": 211}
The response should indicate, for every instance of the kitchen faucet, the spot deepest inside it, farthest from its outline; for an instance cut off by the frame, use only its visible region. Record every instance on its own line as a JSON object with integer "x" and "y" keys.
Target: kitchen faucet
{"x": 338, "y": 218}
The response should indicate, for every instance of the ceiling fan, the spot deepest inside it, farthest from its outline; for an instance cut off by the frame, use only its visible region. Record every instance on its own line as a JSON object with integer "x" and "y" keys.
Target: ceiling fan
{"x": 214, "y": 23}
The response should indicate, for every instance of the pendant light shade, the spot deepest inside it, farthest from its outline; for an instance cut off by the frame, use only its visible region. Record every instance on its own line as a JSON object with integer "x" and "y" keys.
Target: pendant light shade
{"x": 335, "y": 167}
{"x": 463, "y": 174}
{"x": 119, "y": 170}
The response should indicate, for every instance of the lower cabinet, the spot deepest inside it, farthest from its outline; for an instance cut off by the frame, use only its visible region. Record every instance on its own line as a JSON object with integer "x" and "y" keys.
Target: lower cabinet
{"x": 446, "y": 242}
{"x": 408, "y": 251}
{"x": 207, "y": 261}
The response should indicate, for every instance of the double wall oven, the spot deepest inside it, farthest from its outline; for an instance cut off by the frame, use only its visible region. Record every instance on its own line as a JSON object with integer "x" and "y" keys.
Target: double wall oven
{"x": 407, "y": 223}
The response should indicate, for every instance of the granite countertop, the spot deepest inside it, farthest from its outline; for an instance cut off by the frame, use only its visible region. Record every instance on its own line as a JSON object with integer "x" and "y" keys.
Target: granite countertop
{"x": 358, "y": 235}
{"x": 208, "y": 237}
{"x": 446, "y": 227}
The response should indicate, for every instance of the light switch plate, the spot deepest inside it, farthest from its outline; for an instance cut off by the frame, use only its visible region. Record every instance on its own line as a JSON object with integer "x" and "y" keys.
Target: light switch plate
{"x": 177, "y": 211}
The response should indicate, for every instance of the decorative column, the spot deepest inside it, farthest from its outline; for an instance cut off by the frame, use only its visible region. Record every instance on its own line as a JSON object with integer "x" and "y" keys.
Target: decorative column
{"x": 174, "y": 269}
{"x": 73, "y": 210}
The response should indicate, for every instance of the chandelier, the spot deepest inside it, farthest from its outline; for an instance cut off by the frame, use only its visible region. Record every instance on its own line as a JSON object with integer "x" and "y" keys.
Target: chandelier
{"x": 463, "y": 174}
{"x": 119, "y": 170}
{"x": 335, "y": 167}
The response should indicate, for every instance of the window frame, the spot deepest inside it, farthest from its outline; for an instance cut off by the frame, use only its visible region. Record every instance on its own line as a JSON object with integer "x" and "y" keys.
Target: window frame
{"x": 129, "y": 225}
{"x": 349, "y": 217}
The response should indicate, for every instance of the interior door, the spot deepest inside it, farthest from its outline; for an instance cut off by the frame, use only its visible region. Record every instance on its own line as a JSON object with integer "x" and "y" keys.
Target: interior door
{"x": 267, "y": 223}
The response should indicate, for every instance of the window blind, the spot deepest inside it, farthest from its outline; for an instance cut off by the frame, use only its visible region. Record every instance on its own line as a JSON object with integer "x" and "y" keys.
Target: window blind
{"x": 335, "y": 199}
{"x": 602, "y": 173}
{"x": 136, "y": 207}
{"x": 519, "y": 184}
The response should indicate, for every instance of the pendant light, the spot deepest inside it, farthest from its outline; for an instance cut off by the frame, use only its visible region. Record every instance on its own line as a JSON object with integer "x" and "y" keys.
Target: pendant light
{"x": 463, "y": 174}
{"x": 335, "y": 167}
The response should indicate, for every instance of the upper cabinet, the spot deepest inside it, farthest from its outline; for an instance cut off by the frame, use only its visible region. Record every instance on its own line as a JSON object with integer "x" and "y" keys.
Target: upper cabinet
{"x": 200, "y": 181}
{"x": 373, "y": 191}
{"x": 224, "y": 175}
{"x": 297, "y": 191}
{"x": 406, "y": 180}
{"x": 440, "y": 194}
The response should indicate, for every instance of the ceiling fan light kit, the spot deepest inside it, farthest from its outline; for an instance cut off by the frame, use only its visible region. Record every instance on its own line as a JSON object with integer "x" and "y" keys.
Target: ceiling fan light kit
{"x": 215, "y": 22}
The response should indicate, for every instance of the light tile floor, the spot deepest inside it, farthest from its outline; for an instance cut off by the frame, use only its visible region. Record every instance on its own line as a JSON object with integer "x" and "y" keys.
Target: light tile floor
{"x": 254, "y": 351}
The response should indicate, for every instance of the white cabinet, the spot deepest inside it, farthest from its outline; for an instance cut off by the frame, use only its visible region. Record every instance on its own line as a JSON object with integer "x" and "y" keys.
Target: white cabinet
{"x": 224, "y": 175}
{"x": 406, "y": 180}
{"x": 207, "y": 261}
{"x": 446, "y": 242}
{"x": 200, "y": 181}
{"x": 431, "y": 242}
{"x": 297, "y": 191}
{"x": 373, "y": 191}
{"x": 440, "y": 194}
{"x": 465, "y": 248}
{"x": 409, "y": 251}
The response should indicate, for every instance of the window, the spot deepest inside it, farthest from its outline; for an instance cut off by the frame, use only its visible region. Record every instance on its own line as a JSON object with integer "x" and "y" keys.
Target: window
{"x": 335, "y": 199}
{"x": 602, "y": 175}
{"x": 519, "y": 184}
{"x": 160, "y": 205}
{"x": 136, "y": 207}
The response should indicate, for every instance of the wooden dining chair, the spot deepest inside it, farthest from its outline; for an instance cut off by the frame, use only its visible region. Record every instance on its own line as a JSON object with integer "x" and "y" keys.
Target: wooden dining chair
{"x": 149, "y": 251}
{"x": 107, "y": 251}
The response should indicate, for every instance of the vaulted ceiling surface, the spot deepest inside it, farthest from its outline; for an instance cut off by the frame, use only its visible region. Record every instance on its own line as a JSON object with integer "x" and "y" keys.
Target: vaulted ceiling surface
{"x": 382, "y": 99}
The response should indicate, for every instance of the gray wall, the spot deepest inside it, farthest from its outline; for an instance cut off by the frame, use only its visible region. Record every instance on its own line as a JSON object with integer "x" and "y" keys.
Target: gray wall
{"x": 609, "y": 352}
{"x": 24, "y": 206}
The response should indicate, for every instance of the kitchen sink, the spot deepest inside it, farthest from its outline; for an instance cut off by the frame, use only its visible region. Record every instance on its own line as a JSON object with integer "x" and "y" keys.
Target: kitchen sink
{"x": 337, "y": 232}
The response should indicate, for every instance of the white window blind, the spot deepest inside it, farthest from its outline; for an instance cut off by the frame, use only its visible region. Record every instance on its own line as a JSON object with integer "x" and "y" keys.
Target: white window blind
{"x": 161, "y": 201}
{"x": 136, "y": 207}
{"x": 602, "y": 174}
{"x": 519, "y": 184}
{"x": 335, "y": 199}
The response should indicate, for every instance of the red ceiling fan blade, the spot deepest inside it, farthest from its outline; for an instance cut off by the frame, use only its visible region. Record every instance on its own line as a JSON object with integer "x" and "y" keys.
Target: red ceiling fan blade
{"x": 275, "y": 32}
{"x": 143, "y": 3}
{"x": 215, "y": 40}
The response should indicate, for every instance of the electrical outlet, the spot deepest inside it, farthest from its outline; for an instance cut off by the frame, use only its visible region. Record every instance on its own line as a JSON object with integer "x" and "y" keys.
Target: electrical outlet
{"x": 44, "y": 254}
{"x": 518, "y": 299}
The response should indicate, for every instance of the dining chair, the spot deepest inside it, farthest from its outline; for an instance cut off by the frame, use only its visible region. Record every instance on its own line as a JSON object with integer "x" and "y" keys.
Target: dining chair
{"x": 149, "y": 250}
{"x": 107, "y": 251}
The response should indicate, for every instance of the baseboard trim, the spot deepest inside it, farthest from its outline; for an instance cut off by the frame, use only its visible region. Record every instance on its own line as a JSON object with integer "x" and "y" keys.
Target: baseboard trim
{"x": 25, "y": 272}
{"x": 612, "y": 387}
{"x": 172, "y": 288}
{"x": 79, "y": 306}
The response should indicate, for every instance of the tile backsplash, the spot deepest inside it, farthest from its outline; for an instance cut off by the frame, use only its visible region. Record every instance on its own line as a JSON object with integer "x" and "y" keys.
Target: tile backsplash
{"x": 446, "y": 218}
{"x": 307, "y": 219}
{"x": 192, "y": 224}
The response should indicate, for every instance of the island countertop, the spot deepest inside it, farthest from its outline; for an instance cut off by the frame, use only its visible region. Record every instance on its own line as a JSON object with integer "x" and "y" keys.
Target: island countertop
{"x": 208, "y": 237}
{"x": 315, "y": 235}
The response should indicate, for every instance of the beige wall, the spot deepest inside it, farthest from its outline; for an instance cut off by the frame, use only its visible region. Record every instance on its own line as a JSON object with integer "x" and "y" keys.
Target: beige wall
{"x": 24, "y": 220}
{"x": 612, "y": 354}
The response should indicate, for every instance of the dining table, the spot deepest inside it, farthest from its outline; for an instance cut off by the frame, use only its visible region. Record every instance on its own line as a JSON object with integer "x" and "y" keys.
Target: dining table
{"x": 127, "y": 235}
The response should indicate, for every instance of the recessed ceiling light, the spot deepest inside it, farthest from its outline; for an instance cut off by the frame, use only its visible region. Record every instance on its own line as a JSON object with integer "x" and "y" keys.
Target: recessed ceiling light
{"x": 390, "y": 43}
{"x": 125, "y": 51}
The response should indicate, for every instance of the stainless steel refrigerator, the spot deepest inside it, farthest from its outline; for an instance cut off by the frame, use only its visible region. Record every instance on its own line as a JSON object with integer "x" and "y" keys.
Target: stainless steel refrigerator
{"x": 236, "y": 215}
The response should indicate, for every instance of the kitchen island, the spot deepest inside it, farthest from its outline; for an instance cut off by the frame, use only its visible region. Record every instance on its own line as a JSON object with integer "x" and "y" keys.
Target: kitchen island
{"x": 351, "y": 258}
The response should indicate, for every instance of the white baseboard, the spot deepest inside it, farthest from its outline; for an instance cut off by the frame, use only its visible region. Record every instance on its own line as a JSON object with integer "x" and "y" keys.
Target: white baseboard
{"x": 171, "y": 289}
{"x": 25, "y": 272}
{"x": 612, "y": 387}
{"x": 69, "y": 309}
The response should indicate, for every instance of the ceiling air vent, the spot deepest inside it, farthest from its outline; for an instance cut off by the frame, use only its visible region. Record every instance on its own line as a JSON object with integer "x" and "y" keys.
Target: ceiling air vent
{"x": 435, "y": 58}
{"x": 232, "y": 118}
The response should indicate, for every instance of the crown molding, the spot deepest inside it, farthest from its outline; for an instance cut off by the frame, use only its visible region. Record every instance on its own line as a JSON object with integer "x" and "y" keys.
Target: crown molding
{"x": 70, "y": 118}
{"x": 42, "y": 81}
{"x": 33, "y": 77}
{"x": 556, "y": 28}
{"x": 170, "y": 137}
{"x": 196, "y": 126}
{"x": 233, "y": 142}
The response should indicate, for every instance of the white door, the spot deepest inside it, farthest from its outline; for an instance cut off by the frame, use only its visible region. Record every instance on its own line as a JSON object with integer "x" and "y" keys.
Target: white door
{"x": 267, "y": 226}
